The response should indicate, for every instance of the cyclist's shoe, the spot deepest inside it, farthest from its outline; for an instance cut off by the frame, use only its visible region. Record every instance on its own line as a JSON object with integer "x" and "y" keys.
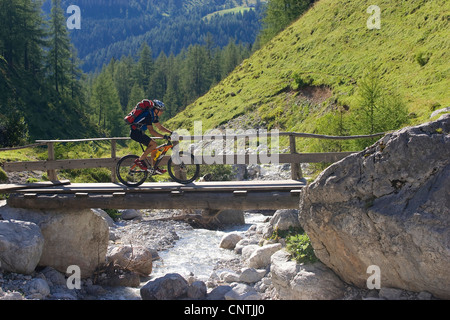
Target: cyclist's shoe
{"x": 160, "y": 171}
{"x": 141, "y": 164}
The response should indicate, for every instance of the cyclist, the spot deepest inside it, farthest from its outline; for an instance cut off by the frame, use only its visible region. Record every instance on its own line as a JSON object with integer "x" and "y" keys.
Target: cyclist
{"x": 146, "y": 121}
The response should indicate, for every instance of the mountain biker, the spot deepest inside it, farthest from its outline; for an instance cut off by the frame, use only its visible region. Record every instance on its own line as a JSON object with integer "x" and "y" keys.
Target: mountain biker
{"x": 146, "y": 121}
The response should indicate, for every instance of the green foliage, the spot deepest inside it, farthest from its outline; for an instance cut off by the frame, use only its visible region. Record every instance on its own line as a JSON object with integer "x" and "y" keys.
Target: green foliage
{"x": 331, "y": 45}
{"x": 297, "y": 244}
{"x": 279, "y": 14}
{"x": 300, "y": 248}
{"x": 113, "y": 213}
{"x": 422, "y": 58}
{"x": 112, "y": 29}
{"x": 40, "y": 92}
{"x": 176, "y": 80}
{"x": 3, "y": 175}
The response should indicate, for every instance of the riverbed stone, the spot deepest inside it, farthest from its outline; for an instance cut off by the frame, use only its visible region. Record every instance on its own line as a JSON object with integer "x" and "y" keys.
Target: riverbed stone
{"x": 260, "y": 258}
{"x": 21, "y": 245}
{"x": 304, "y": 281}
{"x": 71, "y": 237}
{"x": 251, "y": 275}
{"x": 242, "y": 291}
{"x": 230, "y": 240}
{"x": 134, "y": 258}
{"x": 169, "y": 287}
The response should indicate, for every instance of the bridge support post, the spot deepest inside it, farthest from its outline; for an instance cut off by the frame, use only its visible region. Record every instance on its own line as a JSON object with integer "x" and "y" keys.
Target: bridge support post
{"x": 113, "y": 155}
{"x": 296, "y": 170}
{"x": 51, "y": 156}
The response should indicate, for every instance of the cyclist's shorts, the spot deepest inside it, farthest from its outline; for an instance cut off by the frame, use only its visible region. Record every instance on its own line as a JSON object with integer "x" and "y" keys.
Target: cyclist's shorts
{"x": 139, "y": 136}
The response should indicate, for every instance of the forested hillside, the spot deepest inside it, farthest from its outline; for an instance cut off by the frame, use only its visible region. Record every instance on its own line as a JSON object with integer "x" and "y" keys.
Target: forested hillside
{"x": 132, "y": 46}
{"x": 41, "y": 94}
{"x": 112, "y": 29}
{"x": 330, "y": 73}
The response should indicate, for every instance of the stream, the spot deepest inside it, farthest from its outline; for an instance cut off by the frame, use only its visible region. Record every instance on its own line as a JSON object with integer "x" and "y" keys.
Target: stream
{"x": 195, "y": 253}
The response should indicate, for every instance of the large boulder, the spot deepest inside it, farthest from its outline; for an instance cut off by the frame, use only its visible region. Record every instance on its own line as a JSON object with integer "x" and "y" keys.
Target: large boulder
{"x": 135, "y": 258}
{"x": 388, "y": 206}
{"x": 71, "y": 237}
{"x": 295, "y": 281}
{"x": 21, "y": 245}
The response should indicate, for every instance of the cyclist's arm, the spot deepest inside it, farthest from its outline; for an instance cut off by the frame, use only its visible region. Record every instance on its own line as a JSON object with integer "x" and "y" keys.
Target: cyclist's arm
{"x": 162, "y": 128}
{"x": 153, "y": 132}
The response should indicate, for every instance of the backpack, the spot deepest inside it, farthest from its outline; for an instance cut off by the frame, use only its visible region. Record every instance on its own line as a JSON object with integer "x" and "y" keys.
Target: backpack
{"x": 138, "y": 110}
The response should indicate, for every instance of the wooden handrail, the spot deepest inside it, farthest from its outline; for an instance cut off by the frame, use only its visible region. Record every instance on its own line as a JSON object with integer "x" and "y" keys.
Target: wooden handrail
{"x": 294, "y": 158}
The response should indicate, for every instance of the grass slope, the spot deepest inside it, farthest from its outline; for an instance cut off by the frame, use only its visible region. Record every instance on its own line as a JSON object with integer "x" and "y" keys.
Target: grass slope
{"x": 331, "y": 47}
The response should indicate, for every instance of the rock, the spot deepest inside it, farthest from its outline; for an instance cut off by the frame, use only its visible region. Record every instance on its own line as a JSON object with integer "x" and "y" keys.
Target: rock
{"x": 230, "y": 240}
{"x": 54, "y": 277}
{"x": 218, "y": 293}
{"x": 304, "y": 282}
{"x": 260, "y": 258}
{"x": 104, "y": 215}
{"x": 241, "y": 291}
{"x": 390, "y": 293}
{"x": 283, "y": 219}
{"x": 125, "y": 279}
{"x": 71, "y": 237}
{"x": 248, "y": 250}
{"x": 130, "y": 214}
{"x": 229, "y": 277}
{"x": 388, "y": 206}
{"x": 37, "y": 289}
{"x": 196, "y": 290}
{"x": 251, "y": 275}
{"x": 169, "y": 287}
{"x": 134, "y": 258}
{"x": 21, "y": 245}
{"x": 244, "y": 242}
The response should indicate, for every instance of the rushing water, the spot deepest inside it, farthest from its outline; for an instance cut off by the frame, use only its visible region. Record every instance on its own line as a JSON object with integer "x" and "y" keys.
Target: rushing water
{"x": 197, "y": 253}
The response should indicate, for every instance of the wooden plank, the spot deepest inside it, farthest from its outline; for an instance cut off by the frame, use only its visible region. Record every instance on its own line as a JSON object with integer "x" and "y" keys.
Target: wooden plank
{"x": 5, "y": 188}
{"x": 228, "y": 186}
{"x": 255, "y": 200}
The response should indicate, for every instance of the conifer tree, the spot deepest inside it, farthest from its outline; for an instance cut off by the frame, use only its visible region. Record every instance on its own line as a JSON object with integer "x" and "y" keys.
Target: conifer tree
{"x": 58, "y": 58}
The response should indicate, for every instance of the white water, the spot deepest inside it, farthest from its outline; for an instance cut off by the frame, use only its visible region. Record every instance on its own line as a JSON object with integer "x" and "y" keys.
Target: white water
{"x": 197, "y": 253}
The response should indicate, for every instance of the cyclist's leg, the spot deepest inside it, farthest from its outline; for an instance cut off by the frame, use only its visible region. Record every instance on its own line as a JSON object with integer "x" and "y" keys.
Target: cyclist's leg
{"x": 140, "y": 137}
{"x": 151, "y": 148}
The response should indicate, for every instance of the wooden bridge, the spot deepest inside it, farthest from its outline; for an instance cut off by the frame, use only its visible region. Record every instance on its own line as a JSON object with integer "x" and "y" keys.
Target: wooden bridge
{"x": 245, "y": 195}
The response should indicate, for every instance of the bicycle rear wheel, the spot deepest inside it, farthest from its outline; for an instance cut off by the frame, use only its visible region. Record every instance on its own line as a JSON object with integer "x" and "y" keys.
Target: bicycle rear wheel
{"x": 183, "y": 167}
{"x": 128, "y": 173}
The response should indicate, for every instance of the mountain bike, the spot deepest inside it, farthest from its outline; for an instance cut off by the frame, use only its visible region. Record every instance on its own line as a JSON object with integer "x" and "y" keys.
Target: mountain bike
{"x": 182, "y": 166}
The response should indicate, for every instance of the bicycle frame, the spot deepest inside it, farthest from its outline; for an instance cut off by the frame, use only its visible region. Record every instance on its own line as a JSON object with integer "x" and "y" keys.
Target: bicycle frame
{"x": 163, "y": 148}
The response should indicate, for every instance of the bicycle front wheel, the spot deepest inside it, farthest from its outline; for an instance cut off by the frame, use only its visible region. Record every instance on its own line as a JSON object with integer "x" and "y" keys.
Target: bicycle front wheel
{"x": 129, "y": 173}
{"x": 183, "y": 167}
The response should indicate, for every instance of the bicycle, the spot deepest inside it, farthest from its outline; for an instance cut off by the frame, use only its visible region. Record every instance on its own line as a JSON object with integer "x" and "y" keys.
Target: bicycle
{"x": 182, "y": 166}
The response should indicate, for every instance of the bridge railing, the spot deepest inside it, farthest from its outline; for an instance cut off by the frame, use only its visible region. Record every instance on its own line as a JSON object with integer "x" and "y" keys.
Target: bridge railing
{"x": 293, "y": 157}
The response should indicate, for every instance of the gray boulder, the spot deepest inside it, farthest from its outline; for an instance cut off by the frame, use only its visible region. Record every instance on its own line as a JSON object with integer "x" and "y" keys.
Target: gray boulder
{"x": 21, "y": 245}
{"x": 169, "y": 287}
{"x": 230, "y": 240}
{"x": 283, "y": 219}
{"x": 71, "y": 237}
{"x": 388, "y": 206}
{"x": 304, "y": 281}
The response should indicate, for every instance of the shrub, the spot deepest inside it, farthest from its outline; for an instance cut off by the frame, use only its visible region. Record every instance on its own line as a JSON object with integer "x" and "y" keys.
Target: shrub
{"x": 299, "y": 246}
